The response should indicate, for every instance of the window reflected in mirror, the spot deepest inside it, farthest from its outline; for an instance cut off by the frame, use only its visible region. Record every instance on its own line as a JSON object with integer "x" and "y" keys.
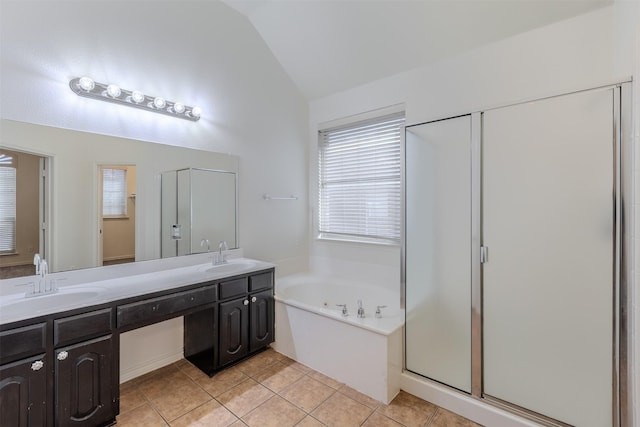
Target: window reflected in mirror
{"x": 21, "y": 212}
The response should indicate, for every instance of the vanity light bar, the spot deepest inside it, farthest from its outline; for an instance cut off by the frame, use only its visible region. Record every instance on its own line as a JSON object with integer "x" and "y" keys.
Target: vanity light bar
{"x": 87, "y": 87}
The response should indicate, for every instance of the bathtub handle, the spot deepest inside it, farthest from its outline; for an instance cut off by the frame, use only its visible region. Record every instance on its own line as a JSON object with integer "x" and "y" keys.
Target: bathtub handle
{"x": 345, "y": 312}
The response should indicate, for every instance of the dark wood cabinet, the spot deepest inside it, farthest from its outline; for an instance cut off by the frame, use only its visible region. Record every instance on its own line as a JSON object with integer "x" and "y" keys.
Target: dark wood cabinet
{"x": 84, "y": 394}
{"x": 234, "y": 330}
{"x": 23, "y": 390}
{"x": 62, "y": 369}
{"x": 246, "y": 323}
{"x": 261, "y": 331}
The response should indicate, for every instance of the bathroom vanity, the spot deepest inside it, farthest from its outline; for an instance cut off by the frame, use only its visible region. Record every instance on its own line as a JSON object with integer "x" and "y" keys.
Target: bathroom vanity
{"x": 62, "y": 367}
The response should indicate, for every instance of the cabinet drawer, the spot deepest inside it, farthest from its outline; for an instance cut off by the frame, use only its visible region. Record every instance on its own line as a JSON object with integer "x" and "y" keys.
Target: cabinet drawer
{"x": 146, "y": 311}
{"x": 22, "y": 342}
{"x": 233, "y": 288}
{"x": 83, "y": 326}
{"x": 261, "y": 281}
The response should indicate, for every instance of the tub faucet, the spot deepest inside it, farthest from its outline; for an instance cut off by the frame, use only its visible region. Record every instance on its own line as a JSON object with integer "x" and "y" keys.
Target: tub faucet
{"x": 360, "y": 310}
{"x": 221, "y": 257}
{"x": 345, "y": 312}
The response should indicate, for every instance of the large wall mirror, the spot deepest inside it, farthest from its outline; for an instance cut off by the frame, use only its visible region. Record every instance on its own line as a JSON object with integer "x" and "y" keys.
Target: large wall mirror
{"x": 100, "y": 198}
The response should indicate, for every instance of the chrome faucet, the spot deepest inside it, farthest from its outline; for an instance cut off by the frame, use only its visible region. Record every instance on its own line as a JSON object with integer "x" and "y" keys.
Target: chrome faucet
{"x": 206, "y": 242}
{"x": 36, "y": 262}
{"x": 379, "y": 312}
{"x": 221, "y": 257}
{"x": 43, "y": 285}
{"x": 345, "y": 312}
{"x": 360, "y": 310}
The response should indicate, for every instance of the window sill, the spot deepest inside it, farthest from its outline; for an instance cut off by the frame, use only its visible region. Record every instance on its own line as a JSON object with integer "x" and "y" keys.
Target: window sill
{"x": 323, "y": 237}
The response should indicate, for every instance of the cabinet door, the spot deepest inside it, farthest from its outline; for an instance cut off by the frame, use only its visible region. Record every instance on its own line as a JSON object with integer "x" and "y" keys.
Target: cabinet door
{"x": 234, "y": 330}
{"x": 23, "y": 386}
{"x": 261, "y": 331}
{"x": 85, "y": 395}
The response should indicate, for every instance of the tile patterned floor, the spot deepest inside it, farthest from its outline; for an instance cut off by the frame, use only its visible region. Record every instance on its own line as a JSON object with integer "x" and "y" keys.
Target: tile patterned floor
{"x": 268, "y": 389}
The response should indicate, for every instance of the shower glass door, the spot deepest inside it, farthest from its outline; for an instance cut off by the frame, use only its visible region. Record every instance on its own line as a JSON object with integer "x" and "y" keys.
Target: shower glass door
{"x": 548, "y": 285}
{"x": 438, "y": 251}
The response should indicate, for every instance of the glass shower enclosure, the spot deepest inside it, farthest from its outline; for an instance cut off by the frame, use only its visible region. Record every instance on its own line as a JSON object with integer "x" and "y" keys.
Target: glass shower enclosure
{"x": 513, "y": 256}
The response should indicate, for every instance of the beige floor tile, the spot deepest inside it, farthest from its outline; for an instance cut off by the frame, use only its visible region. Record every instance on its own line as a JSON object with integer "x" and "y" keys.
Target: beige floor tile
{"x": 174, "y": 395}
{"x": 155, "y": 386}
{"x": 131, "y": 398}
{"x": 278, "y": 376}
{"x": 341, "y": 411}
{"x": 191, "y": 371}
{"x": 307, "y": 393}
{"x": 245, "y": 397}
{"x": 143, "y": 415}
{"x": 299, "y": 366}
{"x": 325, "y": 380}
{"x": 211, "y": 413}
{"x": 359, "y": 397}
{"x": 275, "y": 412}
{"x": 279, "y": 356}
{"x": 222, "y": 381}
{"x": 408, "y": 410}
{"x": 258, "y": 363}
{"x": 130, "y": 384}
{"x": 444, "y": 418}
{"x": 165, "y": 371}
{"x": 238, "y": 423}
{"x": 378, "y": 420}
{"x": 309, "y": 421}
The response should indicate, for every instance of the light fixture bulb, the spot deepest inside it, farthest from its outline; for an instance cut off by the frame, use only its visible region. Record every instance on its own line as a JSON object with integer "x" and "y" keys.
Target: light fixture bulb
{"x": 86, "y": 83}
{"x": 113, "y": 91}
{"x": 159, "y": 102}
{"x": 178, "y": 108}
{"x": 196, "y": 111}
{"x": 137, "y": 96}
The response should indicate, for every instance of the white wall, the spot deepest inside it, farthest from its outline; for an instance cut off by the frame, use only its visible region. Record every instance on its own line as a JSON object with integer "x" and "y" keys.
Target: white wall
{"x": 590, "y": 50}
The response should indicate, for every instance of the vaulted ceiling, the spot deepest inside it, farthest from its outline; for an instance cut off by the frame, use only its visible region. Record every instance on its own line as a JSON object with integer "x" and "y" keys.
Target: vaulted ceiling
{"x": 331, "y": 45}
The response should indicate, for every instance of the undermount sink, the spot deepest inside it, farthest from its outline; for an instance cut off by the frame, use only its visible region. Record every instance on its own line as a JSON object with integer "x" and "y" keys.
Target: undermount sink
{"x": 64, "y": 298}
{"x": 232, "y": 266}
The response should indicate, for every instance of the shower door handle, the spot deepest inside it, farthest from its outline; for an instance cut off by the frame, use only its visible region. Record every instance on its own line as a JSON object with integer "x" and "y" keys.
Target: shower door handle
{"x": 484, "y": 254}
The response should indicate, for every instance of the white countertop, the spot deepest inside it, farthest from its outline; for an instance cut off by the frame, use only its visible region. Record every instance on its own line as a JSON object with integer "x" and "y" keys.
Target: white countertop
{"x": 102, "y": 285}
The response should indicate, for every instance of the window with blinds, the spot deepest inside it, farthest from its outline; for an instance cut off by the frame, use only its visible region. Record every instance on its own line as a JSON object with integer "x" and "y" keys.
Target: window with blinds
{"x": 114, "y": 192}
{"x": 7, "y": 206}
{"x": 360, "y": 181}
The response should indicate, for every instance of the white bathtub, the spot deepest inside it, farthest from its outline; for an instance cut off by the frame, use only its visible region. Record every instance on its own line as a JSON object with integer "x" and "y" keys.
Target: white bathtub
{"x": 365, "y": 354}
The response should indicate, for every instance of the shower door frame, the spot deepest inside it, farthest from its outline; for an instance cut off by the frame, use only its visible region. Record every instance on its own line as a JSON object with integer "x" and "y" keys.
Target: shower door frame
{"x": 623, "y": 250}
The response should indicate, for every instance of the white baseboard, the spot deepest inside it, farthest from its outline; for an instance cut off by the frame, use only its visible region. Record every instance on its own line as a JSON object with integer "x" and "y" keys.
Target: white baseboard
{"x": 150, "y": 365}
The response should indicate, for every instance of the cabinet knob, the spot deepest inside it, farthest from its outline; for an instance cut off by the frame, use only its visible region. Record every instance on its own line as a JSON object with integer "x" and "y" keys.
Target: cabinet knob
{"x": 254, "y": 299}
{"x": 63, "y": 355}
{"x": 246, "y": 302}
{"x": 37, "y": 365}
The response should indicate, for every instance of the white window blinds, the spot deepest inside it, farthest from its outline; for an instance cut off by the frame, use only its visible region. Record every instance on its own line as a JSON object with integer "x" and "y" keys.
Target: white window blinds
{"x": 7, "y": 209}
{"x": 114, "y": 192}
{"x": 359, "y": 181}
